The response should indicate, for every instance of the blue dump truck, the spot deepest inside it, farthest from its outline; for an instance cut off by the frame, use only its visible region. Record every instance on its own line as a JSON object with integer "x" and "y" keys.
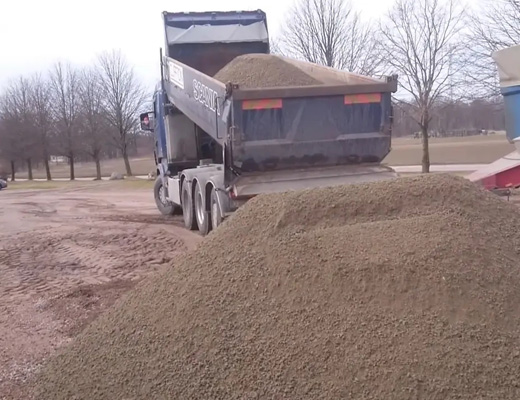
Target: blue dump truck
{"x": 503, "y": 175}
{"x": 508, "y": 64}
{"x": 219, "y": 144}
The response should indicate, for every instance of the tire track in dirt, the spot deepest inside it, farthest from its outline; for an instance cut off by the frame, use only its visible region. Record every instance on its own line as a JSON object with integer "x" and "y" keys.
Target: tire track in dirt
{"x": 47, "y": 261}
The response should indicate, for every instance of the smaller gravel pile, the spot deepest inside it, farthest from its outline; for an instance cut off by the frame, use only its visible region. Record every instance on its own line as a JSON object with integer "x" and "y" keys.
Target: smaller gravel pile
{"x": 263, "y": 70}
{"x": 396, "y": 290}
{"x": 251, "y": 71}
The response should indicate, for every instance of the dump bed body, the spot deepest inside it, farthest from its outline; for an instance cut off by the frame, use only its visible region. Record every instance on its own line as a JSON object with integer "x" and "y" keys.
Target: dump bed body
{"x": 343, "y": 119}
{"x": 287, "y": 127}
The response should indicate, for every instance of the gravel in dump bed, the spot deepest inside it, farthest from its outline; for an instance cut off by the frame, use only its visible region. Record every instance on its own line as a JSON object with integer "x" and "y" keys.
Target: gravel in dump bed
{"x": 263, "y": 70}
{"x": 407, "y": 289}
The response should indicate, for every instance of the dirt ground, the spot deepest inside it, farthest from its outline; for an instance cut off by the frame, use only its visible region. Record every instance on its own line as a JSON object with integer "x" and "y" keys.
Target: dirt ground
{"x": 65, "y": 256}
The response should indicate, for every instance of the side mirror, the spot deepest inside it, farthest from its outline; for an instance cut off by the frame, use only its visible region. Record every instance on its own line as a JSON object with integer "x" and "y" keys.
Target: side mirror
{"x": 146, "y": 121}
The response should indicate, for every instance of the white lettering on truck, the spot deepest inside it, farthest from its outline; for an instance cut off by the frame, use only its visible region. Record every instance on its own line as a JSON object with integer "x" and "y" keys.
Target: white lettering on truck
{"x": 206, "y": 96}
{"x": 175, "y": 74}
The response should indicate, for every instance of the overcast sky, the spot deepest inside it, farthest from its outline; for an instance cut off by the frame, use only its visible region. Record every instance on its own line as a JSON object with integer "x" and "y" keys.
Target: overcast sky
{"x": 36, "y": 33}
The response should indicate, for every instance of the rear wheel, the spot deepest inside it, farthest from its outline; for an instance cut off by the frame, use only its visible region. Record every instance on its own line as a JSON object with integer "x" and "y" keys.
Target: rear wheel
{"x": 216, "y": 216}
{"x": 203, "y": 217}
{"x": 165, "y": 206}
{"x": 188, "y": 208}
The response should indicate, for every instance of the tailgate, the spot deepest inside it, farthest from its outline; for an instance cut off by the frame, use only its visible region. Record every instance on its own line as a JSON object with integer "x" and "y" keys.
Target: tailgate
{"x": 277, "y": 133}
{"x": 309, "y": 178}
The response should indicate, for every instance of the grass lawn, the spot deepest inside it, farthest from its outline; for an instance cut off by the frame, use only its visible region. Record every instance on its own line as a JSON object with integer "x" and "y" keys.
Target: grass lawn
{"x": 140, "y": 166}
{"x": 127, "y": 184}
{"x": 463, "y": 150}
{"x": 405, "y": 151}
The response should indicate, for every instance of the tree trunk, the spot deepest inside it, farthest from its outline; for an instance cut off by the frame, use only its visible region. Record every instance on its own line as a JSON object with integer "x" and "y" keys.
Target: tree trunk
{"x": 98, "y": 168}
{"x": 13, "y": 172}
{"x": 71, "y": 164}
{"x": 47, "y": 169}
{"x": 29, "y": 169}
{"x": 426, "y": 150}
{"x": 127, "y": 162}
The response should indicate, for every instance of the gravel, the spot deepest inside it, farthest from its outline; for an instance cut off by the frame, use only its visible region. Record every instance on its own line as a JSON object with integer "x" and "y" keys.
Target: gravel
{"x": 263, "y": 70}
{"x": 392, "y": 290}
{"x": 251, "y": 71}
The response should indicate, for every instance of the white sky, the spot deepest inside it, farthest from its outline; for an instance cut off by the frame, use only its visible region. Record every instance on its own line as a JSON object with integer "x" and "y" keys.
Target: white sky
{"x": 36, "y": 33}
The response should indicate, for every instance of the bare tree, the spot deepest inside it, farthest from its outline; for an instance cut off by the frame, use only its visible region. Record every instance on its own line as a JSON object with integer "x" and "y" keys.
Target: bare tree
{"x": 421, "y": 41}
{"x": 275, "y": 47}
{"x": 453, "y": 117}
{"x": 331, "y": 33}
{"x": 11, "y": 148}
{"x": 123, "y": 98}
{"x": 493, "y": 26}
{"x": 65, "y": 100}
{"x": 40, "y": 101}
{"x": 17, "y": 114}
{"x": 92, "y": 124}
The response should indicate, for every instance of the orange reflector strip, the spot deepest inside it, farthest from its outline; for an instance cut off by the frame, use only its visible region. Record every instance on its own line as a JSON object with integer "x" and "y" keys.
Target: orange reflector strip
{"x": 363, "y": 98}
{"x": 261, "y": 104}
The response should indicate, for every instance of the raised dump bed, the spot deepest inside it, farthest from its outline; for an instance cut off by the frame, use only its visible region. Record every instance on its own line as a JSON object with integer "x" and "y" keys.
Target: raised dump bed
{"x": 286, "y": 114}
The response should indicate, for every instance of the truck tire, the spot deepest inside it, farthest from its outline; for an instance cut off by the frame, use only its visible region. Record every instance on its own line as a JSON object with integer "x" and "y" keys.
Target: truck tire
{"x": 203, "y": 216}
{"x": 188, "y": 208}
{"x": 165, "y": 206}
{"x": 216, "y": 216}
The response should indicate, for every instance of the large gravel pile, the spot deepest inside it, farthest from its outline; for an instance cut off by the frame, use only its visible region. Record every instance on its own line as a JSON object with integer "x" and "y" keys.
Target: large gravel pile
{"x": 394, "y": 290}
{"x": 263, "y": 70}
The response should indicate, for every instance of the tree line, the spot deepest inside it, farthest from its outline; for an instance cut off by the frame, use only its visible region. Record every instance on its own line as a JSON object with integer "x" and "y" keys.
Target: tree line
{"x": 73, "y": 112}
{"x": 441, "y": 50}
